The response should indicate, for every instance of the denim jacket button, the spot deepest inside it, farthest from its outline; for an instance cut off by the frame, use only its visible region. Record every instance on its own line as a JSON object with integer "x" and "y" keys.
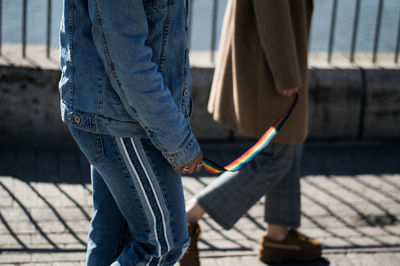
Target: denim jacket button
{"x": 171, "y": 160}
{"x": 77, "y": 119}
{"x": 69, "y": 116}
{"x": 185, "y": 93}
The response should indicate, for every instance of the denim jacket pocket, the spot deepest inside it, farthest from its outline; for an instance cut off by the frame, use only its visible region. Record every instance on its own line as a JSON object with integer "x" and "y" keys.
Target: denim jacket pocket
{"x": 91, "y": 144}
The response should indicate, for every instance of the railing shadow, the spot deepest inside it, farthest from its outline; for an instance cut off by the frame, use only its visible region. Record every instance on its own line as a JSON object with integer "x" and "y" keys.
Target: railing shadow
{"x": 246, "y": 242}
{"x": 25, "y": 172}
{"x": 324, "y": 167}
{"x": 318, "y": 262}
{"x": 348, "y": 161}
{"x": 31, "y": 219}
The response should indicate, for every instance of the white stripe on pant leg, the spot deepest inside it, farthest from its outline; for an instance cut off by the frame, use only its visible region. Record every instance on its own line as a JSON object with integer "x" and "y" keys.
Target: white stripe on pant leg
{"x": 145, "y": 196}
{"x": 155, "y": 196}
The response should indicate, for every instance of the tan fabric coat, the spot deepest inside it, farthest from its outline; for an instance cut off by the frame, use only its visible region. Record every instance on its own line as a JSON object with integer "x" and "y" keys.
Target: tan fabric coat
{"x": 263, "y": 48}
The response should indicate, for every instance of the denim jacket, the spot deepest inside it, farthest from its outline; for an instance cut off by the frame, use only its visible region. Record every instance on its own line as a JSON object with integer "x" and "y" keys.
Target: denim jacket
{"x": 125, "y": 72}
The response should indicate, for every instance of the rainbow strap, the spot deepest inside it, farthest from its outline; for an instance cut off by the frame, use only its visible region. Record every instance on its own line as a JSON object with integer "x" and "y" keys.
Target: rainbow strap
{"x": 214, "y": 168}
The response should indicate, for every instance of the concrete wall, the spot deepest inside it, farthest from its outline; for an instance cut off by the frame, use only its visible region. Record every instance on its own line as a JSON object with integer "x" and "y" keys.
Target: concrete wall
{"x": 29, "y": 107}
{"x": 344, "y": 104}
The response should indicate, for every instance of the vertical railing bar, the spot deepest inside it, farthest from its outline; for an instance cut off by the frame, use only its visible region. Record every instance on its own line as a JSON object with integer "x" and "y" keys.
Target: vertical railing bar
{"x": 377, "y": 31}
{"x": 355, "y": 31}
{"x": 214, "y": 29}
{"x": 332, "y": 30}
{"x": 24, "y": 28}
{"x": 310, "y": 35}
{"x": 363, "y": 104}
{"x": 190, "y": 22}
{"x": 1, "y": 25}
{"x": 48, "y": 28}
{"x": 396, "y": 52}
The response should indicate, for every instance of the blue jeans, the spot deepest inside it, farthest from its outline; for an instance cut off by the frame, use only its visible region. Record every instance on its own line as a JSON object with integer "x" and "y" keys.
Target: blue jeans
{"x": 139, "y": 211}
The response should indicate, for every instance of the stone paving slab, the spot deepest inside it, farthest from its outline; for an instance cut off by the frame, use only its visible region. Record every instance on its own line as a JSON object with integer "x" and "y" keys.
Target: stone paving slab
{"x": 355, "y": 213}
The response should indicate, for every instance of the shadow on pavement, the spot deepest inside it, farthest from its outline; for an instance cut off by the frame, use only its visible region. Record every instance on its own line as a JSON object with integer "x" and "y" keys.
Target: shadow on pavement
{"x": 326, "y": 158}
{"x": 68, "y": 165}
{"x": 333, "y": 180}
{"x": 52, "y": 165}
{"x": 319, "y": 262}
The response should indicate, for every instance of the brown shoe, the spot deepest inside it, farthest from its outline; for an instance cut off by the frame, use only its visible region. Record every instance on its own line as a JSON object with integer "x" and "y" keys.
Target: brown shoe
{"x": 296, "y": 247}
{"x": 191, "y": 257}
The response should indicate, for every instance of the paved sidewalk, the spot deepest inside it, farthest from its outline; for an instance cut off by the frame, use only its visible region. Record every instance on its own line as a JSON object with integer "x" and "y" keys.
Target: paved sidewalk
{"x": 350, "y": 199}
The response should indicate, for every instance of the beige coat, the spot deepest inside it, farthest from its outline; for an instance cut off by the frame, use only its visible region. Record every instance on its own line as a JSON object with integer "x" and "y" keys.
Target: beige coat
{"x": 263, "y": 48}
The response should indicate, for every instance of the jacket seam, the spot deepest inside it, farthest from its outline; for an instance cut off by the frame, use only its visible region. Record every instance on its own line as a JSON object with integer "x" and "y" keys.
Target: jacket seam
{"x": 71, "y": 48}
{"x": 187, "y": 15}
{"x": 104, "y": 41}
{"x": 165, "y": 39}
{"x": 101, "y": 78}
{"x": 186, "y": 85}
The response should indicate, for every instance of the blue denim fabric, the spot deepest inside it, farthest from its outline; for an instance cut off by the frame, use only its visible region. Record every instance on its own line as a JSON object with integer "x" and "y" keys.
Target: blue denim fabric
{"x": 139, "y": 210}
{"x": 125, "y": 72}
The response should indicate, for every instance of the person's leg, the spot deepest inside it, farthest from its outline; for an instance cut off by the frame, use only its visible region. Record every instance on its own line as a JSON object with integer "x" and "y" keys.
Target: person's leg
{"x": 282, "y": 208}
{"x": 282, "y": 204}
{"x": 282, "y": 241}
{"x": 161, "y": 196}
{"x": 234, "y": 193}
{"x": 148, "y": 194}
{"x": 108, "y": 228}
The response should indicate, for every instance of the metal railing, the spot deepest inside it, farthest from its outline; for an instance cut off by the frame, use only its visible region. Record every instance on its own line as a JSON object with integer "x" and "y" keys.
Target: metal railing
{"x": 1, "y": 24}
{"x": 214, "y": 29}
{"x": 332, "y": 31}
{"x": 355, "y": 31}
{"x": 24, "y": 8}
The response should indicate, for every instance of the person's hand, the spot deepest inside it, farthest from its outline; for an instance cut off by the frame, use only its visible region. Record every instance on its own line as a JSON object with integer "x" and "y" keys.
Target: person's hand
{"x": 288, "y": 92}
{"x": 191, "y": 167}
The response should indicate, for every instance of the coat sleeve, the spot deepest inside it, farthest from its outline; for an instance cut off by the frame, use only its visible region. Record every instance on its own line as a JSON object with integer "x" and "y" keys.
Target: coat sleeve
{"x": 120, "y": 31}
{"x": 275, "y": 30}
